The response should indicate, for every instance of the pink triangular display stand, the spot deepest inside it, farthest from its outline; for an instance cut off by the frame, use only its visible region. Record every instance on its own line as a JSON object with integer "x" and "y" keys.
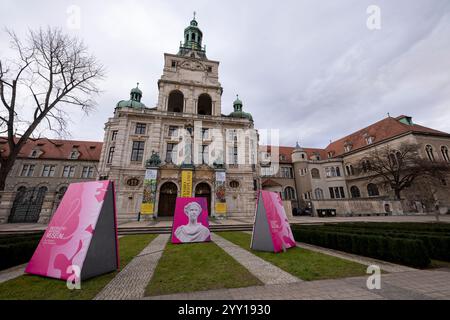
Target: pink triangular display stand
{"x": 82, "y": 233}
{"x": 271, "y": 229}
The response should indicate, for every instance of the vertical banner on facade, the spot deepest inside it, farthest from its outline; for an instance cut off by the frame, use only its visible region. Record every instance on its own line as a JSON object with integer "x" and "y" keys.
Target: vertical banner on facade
{"x": 186, "y": 183}
{"x": 81, "y": 239}
{"x": 271, "y": 229}
{"x": 221, "y": 204}
{"x": 149, "y": 197}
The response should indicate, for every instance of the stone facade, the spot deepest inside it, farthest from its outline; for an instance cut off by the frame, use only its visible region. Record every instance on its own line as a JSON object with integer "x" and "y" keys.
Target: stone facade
{"x": 47, "y": 166}
{"x": 328, "y": 178}
{"x": 187, "y": 131}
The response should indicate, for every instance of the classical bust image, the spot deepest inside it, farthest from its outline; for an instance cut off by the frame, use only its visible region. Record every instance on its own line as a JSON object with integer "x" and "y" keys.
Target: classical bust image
{"x": 194, "y": 231}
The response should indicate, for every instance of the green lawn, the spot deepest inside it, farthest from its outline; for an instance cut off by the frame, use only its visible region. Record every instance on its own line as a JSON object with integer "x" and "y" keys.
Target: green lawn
{"x": 302, "y": 263}
{"x": 34, "y": 287}
{"x": 196, "y": 267}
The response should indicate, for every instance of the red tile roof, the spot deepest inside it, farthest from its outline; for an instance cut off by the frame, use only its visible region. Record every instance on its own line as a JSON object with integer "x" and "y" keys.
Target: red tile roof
{"x": 57, "y": 149}
{"x": 382, "y": 130}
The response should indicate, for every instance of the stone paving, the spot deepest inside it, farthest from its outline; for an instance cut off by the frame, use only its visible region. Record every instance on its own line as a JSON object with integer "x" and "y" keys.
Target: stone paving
{"x": 410, "y": 285}
{"x": 130, "y": 283}
{"x": 12, "y": 273}
{"x": 263, "y": 270}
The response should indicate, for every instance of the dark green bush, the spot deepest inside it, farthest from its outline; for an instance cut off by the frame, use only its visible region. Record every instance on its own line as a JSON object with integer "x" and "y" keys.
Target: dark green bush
{"x": 411, "y": 252}
{"x": 15, "y": 253}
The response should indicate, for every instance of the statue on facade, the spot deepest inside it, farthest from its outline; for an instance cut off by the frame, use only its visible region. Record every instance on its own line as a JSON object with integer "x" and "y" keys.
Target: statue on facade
{"x": 154, "y": 160}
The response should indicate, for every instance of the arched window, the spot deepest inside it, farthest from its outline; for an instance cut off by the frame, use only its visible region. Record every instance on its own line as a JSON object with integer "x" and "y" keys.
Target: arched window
{"x": 366, "y": 166}
{"x": 289, "y": 193}
{"x": 354, "y": 190}
{"x": 315, "y": 174}
{"x": 61, "y": 193}
{"x": 318, "y": 193}
{"x": 372, "y": 190}
{"x": 204, "y": 104}
{"x": 176, "y": 101}
{"x": 429, "y": 150}
{"x": 445, "y": 155}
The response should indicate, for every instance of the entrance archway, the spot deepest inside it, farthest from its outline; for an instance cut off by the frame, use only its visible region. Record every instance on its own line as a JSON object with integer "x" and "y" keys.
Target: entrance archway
{"x": 167, "y": 199}
{"x": 27, "y": 205}
{"x": 203, "y": 190}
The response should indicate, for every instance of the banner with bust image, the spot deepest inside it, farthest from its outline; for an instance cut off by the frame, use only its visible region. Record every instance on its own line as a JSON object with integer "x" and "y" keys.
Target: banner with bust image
{"x": 271, "y": 229}
{"x": 190, "y": 222}
{"x": 220, "y": 203}
{"x": 148, "y": 199}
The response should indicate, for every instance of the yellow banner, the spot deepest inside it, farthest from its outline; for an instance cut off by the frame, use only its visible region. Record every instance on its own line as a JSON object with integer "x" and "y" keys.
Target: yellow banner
{"x": 147, "y": 208}
{"x": 221, "y": 207}
{"x": 186, "y": 184}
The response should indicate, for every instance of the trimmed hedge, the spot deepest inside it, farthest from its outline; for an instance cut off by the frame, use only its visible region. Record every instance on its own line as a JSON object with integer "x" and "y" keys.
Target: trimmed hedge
{"x": 17, "y": 249}
{"x": 411, "y": 252}
{"x": 437, "y": 244}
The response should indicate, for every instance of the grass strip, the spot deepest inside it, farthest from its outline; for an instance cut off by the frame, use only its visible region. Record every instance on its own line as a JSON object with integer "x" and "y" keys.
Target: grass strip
{"x": 197, "y": 267}
{"x": 305, "y": 264}
{"x": 31, "y": 287}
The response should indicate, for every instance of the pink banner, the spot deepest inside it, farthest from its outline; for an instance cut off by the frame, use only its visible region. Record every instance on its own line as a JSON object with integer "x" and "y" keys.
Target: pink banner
{"x": 190, "y": 222}
{"x": 279, "y": 227}
{"x": 68, "y": 236}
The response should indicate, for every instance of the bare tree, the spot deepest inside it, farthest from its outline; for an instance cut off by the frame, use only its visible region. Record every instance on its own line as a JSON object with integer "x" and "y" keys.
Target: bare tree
{"x": 399, "y": 167}
{"x": 51, "y": 72}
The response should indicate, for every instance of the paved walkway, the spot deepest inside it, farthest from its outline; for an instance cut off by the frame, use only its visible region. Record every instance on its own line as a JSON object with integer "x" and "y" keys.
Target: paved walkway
{"x": 263, "y": 270}
{"x": 386, "y": 266}
{"x": 412, "y": 285}
{"x": 12, "y": 273}
{"x": 130, "y": 283}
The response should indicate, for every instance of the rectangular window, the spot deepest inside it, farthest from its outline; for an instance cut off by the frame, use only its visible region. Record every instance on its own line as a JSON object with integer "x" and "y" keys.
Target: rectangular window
{"x": 87, "y": 172}
{"x": 27, "y": 170}
{"x": 114, "y": 135}
{"x": 140, "y": 128}
{"x": 173, "y": 131}
{"x": 110, "y": 154}
{"x": 331, "y": 192}
{"x": 48, "y": 171}
{"x": 174, "y": 63}
{"x": 171, "y": 153}
{"x": 235, "y": 154}
{"x": 137, "y": 152}
{"x": 341, "y": 189}
{"x": 203, "y": 154}
{"x": 68, "y": 171}
{"x": 205, "y": 133}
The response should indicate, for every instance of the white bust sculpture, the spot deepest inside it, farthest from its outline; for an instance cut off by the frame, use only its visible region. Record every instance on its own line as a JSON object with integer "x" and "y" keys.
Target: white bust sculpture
{"x": 193, "y": 231}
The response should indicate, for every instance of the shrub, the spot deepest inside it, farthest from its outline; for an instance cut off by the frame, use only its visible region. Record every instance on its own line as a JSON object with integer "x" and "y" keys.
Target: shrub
{"x": 411, "y": 252}
{"x": 15, "y": 253}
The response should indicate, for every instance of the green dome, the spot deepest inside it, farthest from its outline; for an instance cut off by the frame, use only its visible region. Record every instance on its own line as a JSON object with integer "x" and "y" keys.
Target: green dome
{"x": 135, "y": 99}
{"x": 241, "y": 114}
{"x": 136, "y": 90}
{"x": 130, "y": 104}
{"x": 237, "y": 102}
{"x": 238, "y": 113}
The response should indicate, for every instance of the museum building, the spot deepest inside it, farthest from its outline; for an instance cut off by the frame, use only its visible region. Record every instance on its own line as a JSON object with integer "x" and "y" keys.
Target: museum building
{"x": 183, "y": 146}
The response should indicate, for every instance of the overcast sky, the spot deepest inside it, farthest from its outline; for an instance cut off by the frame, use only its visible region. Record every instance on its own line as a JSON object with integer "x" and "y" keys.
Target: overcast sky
{"x": 310, "y": 68}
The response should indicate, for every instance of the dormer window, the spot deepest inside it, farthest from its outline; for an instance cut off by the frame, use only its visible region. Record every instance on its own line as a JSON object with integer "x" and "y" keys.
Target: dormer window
{"x": 369, "y": 140}
{"x": 330, "y": 154}
{"x": 348, "y": 146}
{"x": 34, "y": 154}
{"x": 282, "y": 157}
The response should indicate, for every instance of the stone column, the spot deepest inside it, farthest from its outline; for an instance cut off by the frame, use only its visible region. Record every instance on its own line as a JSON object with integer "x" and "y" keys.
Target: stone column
{"x": 47, "y": 208}
{"x": 6, "y": 203}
